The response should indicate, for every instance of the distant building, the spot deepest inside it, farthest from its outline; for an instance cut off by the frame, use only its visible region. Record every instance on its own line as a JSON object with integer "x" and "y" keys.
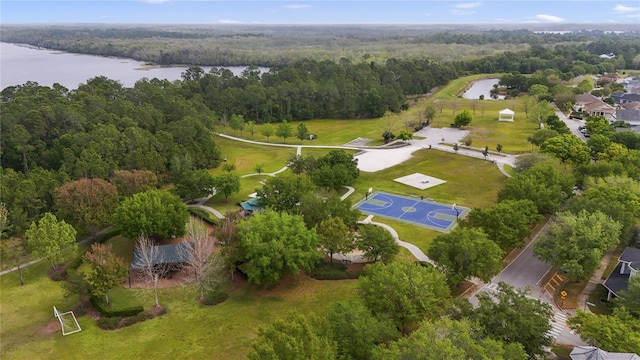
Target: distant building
{"x": 593, "y": 106}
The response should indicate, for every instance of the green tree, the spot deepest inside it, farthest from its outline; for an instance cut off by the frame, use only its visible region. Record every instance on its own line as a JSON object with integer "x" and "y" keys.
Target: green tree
{"x": 630, "y": 298}
{"x": 567, "y": 148}
{"x": 303, "y": 132}
{"x": 405, "y": 135}
{"x": 466, "y": 252}
{"x": 259, "y": 168}
{"x": 226, "y": 184}
{"x": 237, "y": 123}
{"x": 576, "y": 242}
{"x": 284, "y": 130}
{"x": 499, "y": 148}
{"x": 316, "y": 209}
{"x": 404, "y": 292}
{"x": 619, "y": 332}
{"x": 284, "y": 192}
{"x": 87, "y": 203}
{"x": 463, "y": 118}
{"x": 508, "y": 223}
{"x": 275, "y": 244}
{"x": 335, "y": 236}
{"x": 451, "y": 340}
{"x": 539, "y": 112}
{"x": 429, "y": 113}
{"x": 335, "y": 169}
{"x": 267, "y": 131}
{"x": 159, "y": 215}
{"x": 511, "y": 316}
{"x": 107, "y": 270}
{"x": 356, "y": 330}
{"x": 377, "y": 243}
{"x": 540, "y": 136}
{"x": 194, "y": 184}
{"x": 296, "y": 337}
{"x": 53, "y": 239}
{"x": 543, "y": 183}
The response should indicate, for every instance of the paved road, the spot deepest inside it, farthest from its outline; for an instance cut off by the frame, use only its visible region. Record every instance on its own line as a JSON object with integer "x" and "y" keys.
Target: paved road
{"x": 526, "y": 270}
{"x": 573, "y": 124}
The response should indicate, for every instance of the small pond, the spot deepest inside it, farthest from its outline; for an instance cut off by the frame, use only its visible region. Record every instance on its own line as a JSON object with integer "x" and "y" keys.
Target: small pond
{"x": 482, "y": 87}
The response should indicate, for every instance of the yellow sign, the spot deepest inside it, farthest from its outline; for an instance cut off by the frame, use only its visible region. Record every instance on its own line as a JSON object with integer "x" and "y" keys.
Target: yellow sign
{"x": 563, "y": 293}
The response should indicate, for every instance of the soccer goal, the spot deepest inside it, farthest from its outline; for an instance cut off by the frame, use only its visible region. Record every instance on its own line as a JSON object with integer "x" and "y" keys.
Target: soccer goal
{"x": 68, "y": 322}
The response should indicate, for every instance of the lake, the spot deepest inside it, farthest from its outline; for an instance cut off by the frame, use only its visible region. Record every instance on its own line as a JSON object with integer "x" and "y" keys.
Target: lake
{"x": 21, "y": 63}
{"x": 482, "y": 87}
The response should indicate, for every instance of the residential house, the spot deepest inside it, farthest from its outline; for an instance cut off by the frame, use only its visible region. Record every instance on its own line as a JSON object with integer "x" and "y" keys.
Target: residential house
{"x": 593, "y": 353}
{"x": 593, "y": 106}
{"x": 628, "y": 97}
{"x": 630, "y": 116}
{"x": 628, "y": 266}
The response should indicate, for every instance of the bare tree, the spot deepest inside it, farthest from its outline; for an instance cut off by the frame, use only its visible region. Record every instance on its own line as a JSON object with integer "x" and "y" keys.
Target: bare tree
{"x": 227, "y": 235}
{"x": 204, "y": 264}
{"x": 151, "y": 266}
{"x": 454, "y": 107}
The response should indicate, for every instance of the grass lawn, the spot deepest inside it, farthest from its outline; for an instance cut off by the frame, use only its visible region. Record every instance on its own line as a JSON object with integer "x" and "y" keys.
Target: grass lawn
{"x": 248, "y": 185}
{"x": 470, "y": 182}
{"x": 598, "y": 297}
{"x": 189, "y": 331}
{"x": 246, "y": 156}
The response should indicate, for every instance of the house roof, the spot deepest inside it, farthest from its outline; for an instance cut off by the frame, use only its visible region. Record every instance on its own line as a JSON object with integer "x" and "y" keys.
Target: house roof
{"x": 617, "y": 282}
{"x": 630, "y": 105}
{"x": 630, "y": 115}
{"x": 251, "y": 204}
{"x": 593, "y": 353}
{"x": 630, "y": 97}
{"x": 168, "y": 254}
{"x": 586, "y": 98}
{"x": 630, "y": 255}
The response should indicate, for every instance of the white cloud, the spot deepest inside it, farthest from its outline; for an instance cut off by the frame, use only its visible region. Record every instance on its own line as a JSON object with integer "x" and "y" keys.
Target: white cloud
{"x": 634, "y": 16}
{"x": 155, "y": 1}
{"x": 549, "y": 18}
{"x": 461, "y": 12}
{"x": 296, "y": 6}
{"x": 229, "y": 21}
{"x": 622, "y": 9}
{"x": 468, "y": 5}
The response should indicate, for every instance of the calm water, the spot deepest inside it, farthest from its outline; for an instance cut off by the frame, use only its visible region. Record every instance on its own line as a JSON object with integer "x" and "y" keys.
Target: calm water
{"x": 19, "y": 64}
{"x": 482, "y": 87}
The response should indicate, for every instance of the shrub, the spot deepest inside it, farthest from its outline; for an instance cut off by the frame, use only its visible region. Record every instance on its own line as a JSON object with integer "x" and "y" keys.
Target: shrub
{"x": 333, "y": 271}
{"x": 109, "y": 323}
{"x": 214, "y": 298}
{"x": 99, "y": 304}
{"x": 203, "y": 215}
{"x": 131, "y": 320}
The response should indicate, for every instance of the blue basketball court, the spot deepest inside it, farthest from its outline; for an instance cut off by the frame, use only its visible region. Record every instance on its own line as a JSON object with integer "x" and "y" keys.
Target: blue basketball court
{"x": 427, "y": 213}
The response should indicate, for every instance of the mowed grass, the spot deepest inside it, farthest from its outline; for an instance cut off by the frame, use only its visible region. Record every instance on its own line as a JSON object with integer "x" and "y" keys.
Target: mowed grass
{"x": 470, "y": 182}
{"x": 189, "y": 331}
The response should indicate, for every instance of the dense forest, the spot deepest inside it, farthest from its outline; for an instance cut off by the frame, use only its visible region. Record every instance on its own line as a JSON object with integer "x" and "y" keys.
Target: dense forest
{"x": 284, "y": 45}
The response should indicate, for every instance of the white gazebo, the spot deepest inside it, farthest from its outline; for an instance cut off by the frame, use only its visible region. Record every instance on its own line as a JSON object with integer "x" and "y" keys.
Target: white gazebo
{"x": 506, "y": 115}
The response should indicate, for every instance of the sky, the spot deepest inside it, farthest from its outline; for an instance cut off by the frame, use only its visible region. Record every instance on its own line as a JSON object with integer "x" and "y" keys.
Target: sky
{"x": 319, "y": 12}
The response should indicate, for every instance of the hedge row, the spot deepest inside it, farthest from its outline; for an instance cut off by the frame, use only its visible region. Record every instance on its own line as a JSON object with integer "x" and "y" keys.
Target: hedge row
{"x": 99, "y": 304}
{"x": 333, "y": 271}
{"x": 214, "y": 298}
{"x": 113, "y": 323}
{"x": 203, "y": 215}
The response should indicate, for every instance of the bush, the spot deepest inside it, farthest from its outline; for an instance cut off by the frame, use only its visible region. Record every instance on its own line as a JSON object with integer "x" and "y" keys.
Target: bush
{"x": 333, "y": 271}
{"x": 109, "y": 323}
{"x": 131, "y": 320}
{"x": 99, "y": 304}
{"x": 203, "y": 215}
{"x": 214, "y": 298}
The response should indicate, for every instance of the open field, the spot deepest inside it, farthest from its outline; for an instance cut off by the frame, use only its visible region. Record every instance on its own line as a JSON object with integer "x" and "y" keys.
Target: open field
{"x": 189, "y": 331}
